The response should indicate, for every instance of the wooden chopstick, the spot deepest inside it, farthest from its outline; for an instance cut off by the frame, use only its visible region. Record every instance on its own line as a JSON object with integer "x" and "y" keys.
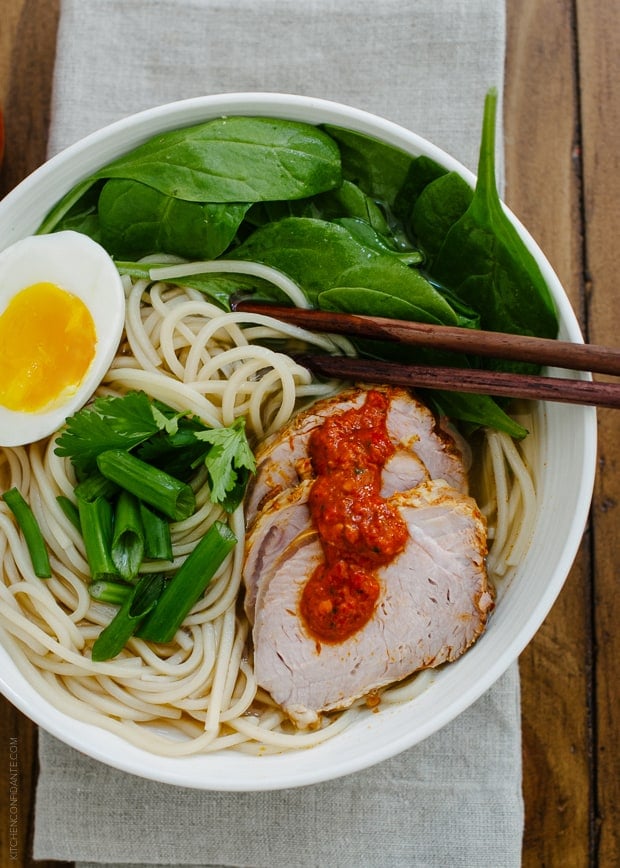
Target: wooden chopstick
{"x": 559, "y": 354}
{"x": 497, "y": 383}
{"x": 498, "y": 345}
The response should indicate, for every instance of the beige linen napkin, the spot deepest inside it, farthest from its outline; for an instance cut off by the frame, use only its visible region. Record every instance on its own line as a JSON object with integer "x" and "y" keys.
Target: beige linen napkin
{"x": 454, "y": 800}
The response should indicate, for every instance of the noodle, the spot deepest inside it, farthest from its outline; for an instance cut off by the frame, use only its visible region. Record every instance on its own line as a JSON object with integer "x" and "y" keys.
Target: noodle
{"x": 198, "y": 694}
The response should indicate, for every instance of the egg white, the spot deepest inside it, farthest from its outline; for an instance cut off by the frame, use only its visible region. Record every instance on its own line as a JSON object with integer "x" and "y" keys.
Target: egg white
{"x": 82, "y": 267}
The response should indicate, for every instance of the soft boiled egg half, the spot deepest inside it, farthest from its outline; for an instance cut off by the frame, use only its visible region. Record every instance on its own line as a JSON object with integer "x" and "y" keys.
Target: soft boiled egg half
{"x": 62, "y": 312}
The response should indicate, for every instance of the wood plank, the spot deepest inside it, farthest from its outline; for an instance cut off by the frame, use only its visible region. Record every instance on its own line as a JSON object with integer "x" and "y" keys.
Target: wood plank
{"x": 543, "y": 188}
{"x": 25, "y": 85}
{"x": 599, "y": 37}
{"x": 25, "y": 89}
{"x": 11, "y": 13}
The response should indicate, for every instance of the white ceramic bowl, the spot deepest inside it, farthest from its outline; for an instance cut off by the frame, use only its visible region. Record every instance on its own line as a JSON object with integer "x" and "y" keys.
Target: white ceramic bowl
{"x": 567, "y": 440}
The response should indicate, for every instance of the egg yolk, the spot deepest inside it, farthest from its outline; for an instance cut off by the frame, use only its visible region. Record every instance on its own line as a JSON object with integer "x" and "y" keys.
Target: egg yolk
{"x": 47, "y": 343}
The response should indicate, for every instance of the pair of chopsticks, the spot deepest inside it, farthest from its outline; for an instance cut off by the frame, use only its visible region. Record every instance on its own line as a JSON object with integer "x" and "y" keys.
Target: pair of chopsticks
{"x": 541, "y": 351}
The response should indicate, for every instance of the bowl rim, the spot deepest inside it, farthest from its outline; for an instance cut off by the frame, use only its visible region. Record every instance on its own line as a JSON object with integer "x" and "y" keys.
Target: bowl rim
{"x": 226, "y": 772}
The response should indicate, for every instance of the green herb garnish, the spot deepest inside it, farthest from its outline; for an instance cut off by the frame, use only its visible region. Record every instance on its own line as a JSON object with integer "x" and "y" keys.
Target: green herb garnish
{"x": 229, "y": 462}
{"x": 97, "y": 527}
{"x": 149, "y": 484}
{"x": 31, "y": 530}
{"x": 134, "y": 609}
{"x": 108, "y": 423}
{"x": 189, "y": 584}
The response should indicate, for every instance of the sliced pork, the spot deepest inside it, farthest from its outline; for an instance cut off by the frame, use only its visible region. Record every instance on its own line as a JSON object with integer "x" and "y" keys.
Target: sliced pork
{"x": 434, "y": 603}
{"x": 429, "y": 599}
{"x": 283, "y": 461}
{"x": 283, "y": 518}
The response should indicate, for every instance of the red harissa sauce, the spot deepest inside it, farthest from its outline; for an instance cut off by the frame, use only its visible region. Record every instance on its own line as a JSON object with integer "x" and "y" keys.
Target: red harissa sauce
{"x": 358, "y": 529}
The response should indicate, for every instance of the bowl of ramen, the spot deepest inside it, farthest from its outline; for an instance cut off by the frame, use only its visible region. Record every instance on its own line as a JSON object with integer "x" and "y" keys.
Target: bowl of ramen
{"x": 221, "y": 570}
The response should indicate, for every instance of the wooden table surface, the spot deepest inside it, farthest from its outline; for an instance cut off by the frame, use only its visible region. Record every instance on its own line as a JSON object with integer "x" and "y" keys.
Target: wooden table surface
{"x": 562, "y": 121}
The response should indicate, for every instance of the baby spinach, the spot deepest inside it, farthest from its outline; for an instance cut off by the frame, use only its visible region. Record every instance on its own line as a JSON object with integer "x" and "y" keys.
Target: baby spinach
{"x": 472, "y": 411}
{"x": 391, "y": 300}
{"x": 236, "y": 159}
{"x": 320, "y": 255}
{"x": 370, "y": 302}
{"x": 135, "y": 220}
{"x": 379, "y": 169}
{"x": 387, "y": 174}
{"x": 349, "y": 200}
{"x": 368, "y": 236}
{"x": 422, "y": 172}
{"x": 439, "y": 205}
{"x": 484, "y": 261}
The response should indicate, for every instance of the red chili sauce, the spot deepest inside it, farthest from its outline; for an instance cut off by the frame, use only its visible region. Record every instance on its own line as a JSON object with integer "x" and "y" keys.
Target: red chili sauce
{"x": 358, "y": 529}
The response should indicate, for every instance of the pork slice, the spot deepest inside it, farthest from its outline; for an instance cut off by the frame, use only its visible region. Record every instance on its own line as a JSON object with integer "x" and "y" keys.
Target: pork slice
{"x": 282, "y": 462}
{"x": 282, "y": 459}
{"x": 434, "y": 602}
{"x": 283, "y": 518}
{"x": 412, "y": 426}
{"x": 403, "y": 470}
{"x": 287, "y": 514}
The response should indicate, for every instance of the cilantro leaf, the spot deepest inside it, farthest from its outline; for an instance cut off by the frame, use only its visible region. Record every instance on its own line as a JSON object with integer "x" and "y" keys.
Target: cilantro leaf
{"x": 160, "y": 436}
{"x": 169, "y": 424}
{"x": 108, "y": 423}
{"x": 178, "y": 454}
{"x": 229, "y": 463}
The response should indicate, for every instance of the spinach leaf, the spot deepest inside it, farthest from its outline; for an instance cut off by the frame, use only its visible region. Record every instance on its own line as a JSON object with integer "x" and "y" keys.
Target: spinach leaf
{"x": 82, "y": 216}
{"x": 391, "y": 300}
{"x": 380, "y": 170}
{"x": 320, "y": 255}
{"x": 235, "y": 159}
{"x": 467, "y": 317}
{"x": 384, "y": 172}
{"x": 474, "y": 409}
{"x": 370, "y": 302}
{"x": 388, "y": 275}
{"x": 374, "y": 302}
{"x": 484, "y": 261}
{"x": 349, "y": 200}
{"x": 369, "y": 237}
{"x": 348, "y": 205}
{"x": 86, "y": 223}
{"x": 437, "y": 208}
{"x": 422, "y": 171}
{"x": 136, "y": 220}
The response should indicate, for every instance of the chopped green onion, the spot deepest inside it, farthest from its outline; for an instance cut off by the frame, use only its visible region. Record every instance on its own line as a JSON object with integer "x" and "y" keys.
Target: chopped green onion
{"x": 189, "y": 584}
{"x": 155, "y": 487}
{"x": 96, "y": 520}
{"x": 32, "y": 532}
{"x": 110, "y": 592}
{"x": 157, "y": 539}
{"x": 70, "y": 510}
{"x": 94, "y": 486}
{"x": 121, "y": 628}
{"x": 127, "y": 547}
